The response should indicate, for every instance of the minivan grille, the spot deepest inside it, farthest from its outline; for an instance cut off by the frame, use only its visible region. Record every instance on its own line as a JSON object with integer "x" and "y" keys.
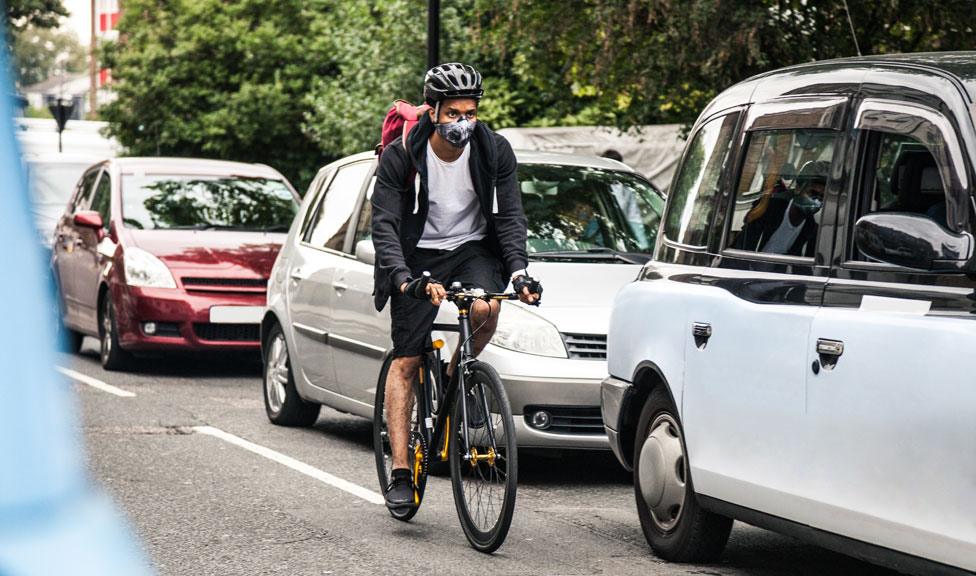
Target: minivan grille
{"x": 585, "y": 420}
{"x": 586, "y": 346}
{"x": 228, "y": 332}
{"x": 226, "y": 284}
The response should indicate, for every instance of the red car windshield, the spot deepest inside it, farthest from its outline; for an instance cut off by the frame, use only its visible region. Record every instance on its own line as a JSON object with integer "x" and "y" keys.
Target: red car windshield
{"x": 167, "y": 201}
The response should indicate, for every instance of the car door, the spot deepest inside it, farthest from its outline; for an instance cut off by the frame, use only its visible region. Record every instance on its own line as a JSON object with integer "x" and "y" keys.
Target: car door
{"x": 749, "y": 314}
{"x": 892, "y": 407}
{"x": 92, "y": 251}
{"x": 312, "y": 272}
{"x": 69, "y": 255}
{"x": 360, "y": 334}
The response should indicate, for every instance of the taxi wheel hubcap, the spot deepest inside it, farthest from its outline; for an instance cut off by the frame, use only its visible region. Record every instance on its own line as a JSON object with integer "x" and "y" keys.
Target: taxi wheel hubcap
{"x": 663, "y": 473}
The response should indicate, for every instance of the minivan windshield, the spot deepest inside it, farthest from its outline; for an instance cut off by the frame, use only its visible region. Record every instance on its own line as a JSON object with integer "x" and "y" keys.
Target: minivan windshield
{"x": 579, "y": 212}
{"x": 176, "y": 201}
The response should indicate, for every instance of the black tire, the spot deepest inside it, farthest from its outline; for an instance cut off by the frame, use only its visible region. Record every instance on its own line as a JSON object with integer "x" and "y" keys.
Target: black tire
{"x": 111, "y": 354}
{"x": 281, "y": 400}
{"x": 382, "y": 451}
{"x": 71, "y": 339}
{"x": 485, "y": 524}
{"x": 682, "y": 532}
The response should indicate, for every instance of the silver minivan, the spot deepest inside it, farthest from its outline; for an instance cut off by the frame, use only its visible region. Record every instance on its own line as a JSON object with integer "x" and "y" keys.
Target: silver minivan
{"x": 592, "y": 223}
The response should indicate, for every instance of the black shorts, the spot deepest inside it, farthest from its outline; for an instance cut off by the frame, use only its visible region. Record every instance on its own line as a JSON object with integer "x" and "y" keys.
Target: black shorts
{"x": 471, "y": 264}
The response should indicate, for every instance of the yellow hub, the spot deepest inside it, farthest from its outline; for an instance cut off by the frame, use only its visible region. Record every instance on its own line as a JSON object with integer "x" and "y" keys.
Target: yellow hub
{"x": 487, "y": 457}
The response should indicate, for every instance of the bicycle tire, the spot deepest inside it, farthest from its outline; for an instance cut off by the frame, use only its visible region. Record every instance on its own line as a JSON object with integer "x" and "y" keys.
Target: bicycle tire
{"x": 381, "y": 445}
{"x": 471, "y": 481}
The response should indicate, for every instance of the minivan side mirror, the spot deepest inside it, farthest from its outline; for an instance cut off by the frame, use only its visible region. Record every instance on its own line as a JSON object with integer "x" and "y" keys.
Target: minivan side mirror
{"x": 913, "y": 241}
{"x": 90, "y": 219}
{"x": 365, "y": 251}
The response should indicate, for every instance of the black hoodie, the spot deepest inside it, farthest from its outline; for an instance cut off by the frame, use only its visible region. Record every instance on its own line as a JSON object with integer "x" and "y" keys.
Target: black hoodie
{"x": 400, "y": 208}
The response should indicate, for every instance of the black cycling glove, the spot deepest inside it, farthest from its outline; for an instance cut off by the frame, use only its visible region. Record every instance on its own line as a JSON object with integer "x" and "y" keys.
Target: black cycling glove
{"x": 417, "y": 288}
{"x": 531, "y": 283}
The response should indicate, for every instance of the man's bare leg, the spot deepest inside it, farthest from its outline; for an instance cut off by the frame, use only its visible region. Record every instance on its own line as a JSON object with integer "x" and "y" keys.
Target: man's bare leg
{"x": 399, "y": 405}
{"x": 479, "y": 313}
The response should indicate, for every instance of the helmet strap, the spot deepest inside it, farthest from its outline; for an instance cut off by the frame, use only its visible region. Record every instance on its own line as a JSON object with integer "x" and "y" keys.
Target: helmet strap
{"x": 437, "y": 112}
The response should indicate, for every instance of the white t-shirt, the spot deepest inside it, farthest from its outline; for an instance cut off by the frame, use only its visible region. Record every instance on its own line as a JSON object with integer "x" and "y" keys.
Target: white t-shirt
{"x": 785, "y": 235}
{"x": 455, "y": 214}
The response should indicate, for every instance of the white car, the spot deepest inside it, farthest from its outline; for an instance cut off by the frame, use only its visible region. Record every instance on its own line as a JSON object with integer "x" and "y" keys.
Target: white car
{"x": 592, "y": 223}
{"x": 801, "y": 352}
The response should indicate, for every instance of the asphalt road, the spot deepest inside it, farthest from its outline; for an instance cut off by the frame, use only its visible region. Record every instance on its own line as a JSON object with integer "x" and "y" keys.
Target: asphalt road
{"x": 202, "y": 505}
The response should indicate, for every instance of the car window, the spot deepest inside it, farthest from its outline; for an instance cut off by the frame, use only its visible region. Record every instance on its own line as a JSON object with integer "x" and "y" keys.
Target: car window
{"x": 102, "y": 199}
{"x": 329, "y": 224}
{"x": 581, "y": 209}
{"x": 692, "y": 198}
{"x": 364, "y": 228}
{"x": 85, "y": 189}
{"x": 312, "y": 197}
{"x": 197, "y": 202}
{"x": 779, "y": 197}
{"x": 909, "y": 167}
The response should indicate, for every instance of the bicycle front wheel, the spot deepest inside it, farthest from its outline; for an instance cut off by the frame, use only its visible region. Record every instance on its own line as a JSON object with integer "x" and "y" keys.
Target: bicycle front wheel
{"x": 483, "y": 458}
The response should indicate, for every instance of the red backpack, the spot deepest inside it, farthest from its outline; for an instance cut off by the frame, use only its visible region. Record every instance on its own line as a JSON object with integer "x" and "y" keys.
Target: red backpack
{"x": 400, "y": 119}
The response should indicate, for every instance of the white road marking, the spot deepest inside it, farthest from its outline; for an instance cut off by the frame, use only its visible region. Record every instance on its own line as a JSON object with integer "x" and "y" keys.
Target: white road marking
{"x": 297, "y": 465}
{"x": 94, "y": 383}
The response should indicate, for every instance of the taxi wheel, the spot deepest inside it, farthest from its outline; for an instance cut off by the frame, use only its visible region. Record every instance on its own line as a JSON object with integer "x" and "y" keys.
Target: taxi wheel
{"x": 674, "y": 524}
{"x": 281, "y": 400}
{"x": 112, "y": 355}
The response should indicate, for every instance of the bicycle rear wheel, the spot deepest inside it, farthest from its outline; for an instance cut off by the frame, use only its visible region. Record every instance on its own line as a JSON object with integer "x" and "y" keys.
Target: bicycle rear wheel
{"x": 484, "y": 474}
{"x": 417, "y": 449}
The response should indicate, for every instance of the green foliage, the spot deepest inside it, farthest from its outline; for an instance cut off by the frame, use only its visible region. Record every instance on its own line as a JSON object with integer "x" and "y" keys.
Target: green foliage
{"x": 647, "y": 61}
{"x": 36, "y": 13}
{"x": 40, "y": 53}
{"x": 298, "y": 83}
{"x": 216, "y": 79}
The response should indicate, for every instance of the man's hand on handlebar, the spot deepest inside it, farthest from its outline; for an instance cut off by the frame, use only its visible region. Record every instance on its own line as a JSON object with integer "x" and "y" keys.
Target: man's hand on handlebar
{"x": 418, "y": 287}
{"x": 529, "y": 290}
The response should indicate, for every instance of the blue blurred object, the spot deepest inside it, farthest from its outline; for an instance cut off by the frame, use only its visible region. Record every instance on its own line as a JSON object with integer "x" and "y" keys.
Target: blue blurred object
{"x": 52, "y": 520}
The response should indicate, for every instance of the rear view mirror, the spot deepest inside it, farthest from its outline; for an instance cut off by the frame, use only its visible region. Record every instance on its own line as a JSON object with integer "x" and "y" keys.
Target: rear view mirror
{"x": 365, "y": 251}
{"x": 90, "y": 219}
{"x": 913, "y": 241}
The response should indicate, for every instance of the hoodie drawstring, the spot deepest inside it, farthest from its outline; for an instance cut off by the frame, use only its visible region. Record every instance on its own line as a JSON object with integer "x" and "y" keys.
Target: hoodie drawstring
{"x": 416, "y": 194}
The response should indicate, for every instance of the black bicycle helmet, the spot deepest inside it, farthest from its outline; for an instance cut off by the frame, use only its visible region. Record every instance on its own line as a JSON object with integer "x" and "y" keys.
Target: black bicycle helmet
{"x": 451, "y": 80}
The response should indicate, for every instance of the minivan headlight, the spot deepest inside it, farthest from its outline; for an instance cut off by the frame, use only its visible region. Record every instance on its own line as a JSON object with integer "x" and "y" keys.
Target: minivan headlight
{"x": 522, "y": 331}
{"x": 144, "y": 269}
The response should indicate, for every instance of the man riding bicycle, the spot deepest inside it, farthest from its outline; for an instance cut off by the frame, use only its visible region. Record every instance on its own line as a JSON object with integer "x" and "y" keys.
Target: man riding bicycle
{"x": 460, "y": 218}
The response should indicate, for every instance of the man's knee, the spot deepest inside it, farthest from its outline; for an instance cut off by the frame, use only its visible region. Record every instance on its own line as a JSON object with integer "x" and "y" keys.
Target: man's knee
{"x": 405, "y": 366}
{"x": 482, "y": 311}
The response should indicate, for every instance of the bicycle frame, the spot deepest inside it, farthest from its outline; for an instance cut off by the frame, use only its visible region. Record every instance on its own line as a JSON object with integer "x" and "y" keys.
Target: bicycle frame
{"x": 436, "y": 427}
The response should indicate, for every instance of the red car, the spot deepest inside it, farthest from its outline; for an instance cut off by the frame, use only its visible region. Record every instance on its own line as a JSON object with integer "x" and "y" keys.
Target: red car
{"x": 167, "y": 254}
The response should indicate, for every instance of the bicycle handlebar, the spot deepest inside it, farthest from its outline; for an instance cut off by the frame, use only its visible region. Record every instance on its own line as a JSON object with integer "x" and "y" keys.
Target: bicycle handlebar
{"x": 418, "y": 289}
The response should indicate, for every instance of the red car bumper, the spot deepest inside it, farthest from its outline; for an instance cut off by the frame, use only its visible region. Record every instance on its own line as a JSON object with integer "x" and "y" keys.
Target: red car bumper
{"x": 182, "y": 320}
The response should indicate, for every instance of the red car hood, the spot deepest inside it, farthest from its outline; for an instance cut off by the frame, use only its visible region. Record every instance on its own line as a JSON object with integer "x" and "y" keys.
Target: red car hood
{"x": 213, "y": 252}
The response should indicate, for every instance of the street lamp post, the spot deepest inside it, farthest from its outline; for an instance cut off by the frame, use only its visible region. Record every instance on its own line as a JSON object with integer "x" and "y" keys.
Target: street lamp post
{"x": 433, "y": 33}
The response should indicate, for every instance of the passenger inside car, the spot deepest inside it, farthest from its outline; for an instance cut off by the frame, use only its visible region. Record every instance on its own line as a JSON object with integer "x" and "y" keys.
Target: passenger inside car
{"x": 786, "y": 221}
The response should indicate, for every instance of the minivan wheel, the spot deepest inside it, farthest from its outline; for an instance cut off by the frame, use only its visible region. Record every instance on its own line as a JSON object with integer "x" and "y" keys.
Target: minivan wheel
{"x": 113, "y": 357}
{"x": 675, "y": 526}
{"x": 281, "y": 400}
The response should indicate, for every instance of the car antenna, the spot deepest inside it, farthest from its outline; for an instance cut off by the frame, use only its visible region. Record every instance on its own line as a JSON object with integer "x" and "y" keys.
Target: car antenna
{"x": 851, "y": 24}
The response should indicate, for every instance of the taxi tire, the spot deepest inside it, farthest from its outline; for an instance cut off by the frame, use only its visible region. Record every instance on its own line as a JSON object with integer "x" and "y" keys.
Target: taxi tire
{"x": 698, "y": 535}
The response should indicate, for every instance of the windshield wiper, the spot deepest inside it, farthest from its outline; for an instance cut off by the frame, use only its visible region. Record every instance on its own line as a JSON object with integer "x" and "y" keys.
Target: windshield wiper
{"x": 619, "y": 255}
{"x": 276, "y": 228}
{"x": 590, "y": 254}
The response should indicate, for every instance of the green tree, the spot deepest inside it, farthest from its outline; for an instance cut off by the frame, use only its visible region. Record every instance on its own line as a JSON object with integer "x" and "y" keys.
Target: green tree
{"x": 217, "y": 79}
{"x": 646, "y": 61}
{"x": 38, "y": 54}
{"x": 36, "y": 13}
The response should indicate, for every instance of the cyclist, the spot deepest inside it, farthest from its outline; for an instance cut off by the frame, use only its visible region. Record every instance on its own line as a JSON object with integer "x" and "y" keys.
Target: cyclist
{"x": 448, "y": 202}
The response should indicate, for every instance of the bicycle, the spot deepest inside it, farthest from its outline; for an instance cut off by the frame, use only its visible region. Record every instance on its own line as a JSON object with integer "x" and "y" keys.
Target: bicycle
{"x": 475, "y": 436}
